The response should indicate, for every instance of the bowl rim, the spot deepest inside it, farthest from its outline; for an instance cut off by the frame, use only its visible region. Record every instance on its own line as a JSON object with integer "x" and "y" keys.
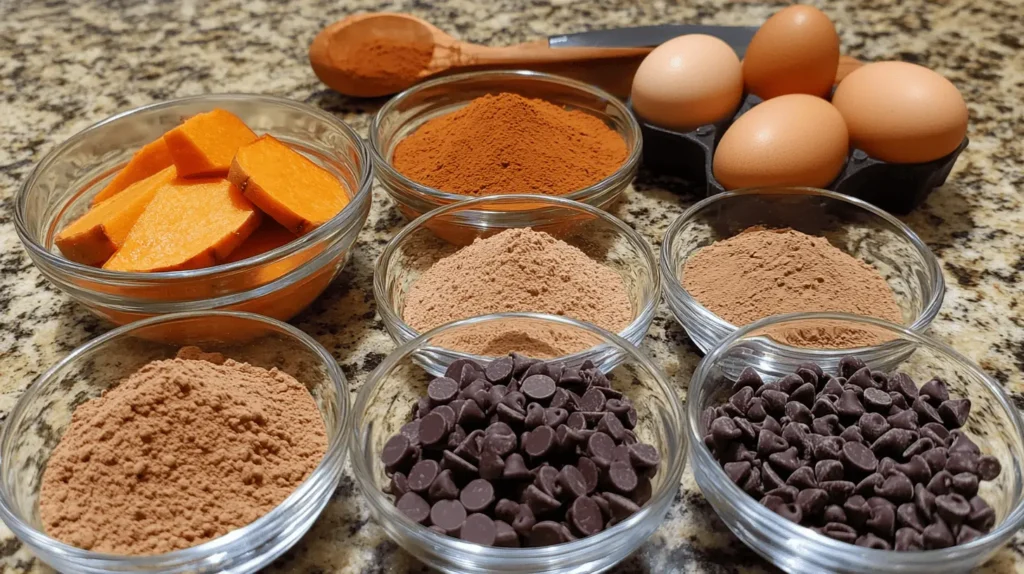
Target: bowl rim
{"x": 782, "y": 529}
{"x": 675, "y": 288}
{"x": 382, "y": 507}
{"x": 442, "y": 197}
{"x": 380, "y": 289}
{"x": 316, "y": 236}
{"x": 331, "y": 463}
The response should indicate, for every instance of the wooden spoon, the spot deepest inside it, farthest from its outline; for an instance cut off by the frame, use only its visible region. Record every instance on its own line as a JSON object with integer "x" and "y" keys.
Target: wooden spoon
{"x": 377, "y": 54}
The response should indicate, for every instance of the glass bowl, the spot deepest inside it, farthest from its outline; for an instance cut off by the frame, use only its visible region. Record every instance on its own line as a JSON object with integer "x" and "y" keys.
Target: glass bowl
{"x": 407, "y": 111}
{"x": 851, "y": 225}
{"x": 994, "y": 425}
{"x": 388, "y": 398}
{"x": 40, "y": 416}
{"x": 279, "y": 283}
{"x": 441, "y": 232}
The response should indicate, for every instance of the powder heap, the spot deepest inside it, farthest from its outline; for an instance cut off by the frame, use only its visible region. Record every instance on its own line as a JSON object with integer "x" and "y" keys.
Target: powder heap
{"x": 519, "y": 270}
{"x": 762, "y": 272}
{"x": 506, "y": 143}
{"x": 387, "y": 62}
{"x": 181, "y": 452}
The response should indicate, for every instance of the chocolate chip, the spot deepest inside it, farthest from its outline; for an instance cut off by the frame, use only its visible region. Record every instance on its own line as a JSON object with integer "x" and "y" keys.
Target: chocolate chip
{"x": 741, "y": 398}
{"x": 823, "y": 407}
{"x": 924, "y": 500}
{"x": 600, "y": 445}
{"x": 936, "y": 390}
{"x": 442, "y": 390}
{"x": 622, "y": 476}
{"x": 737, "y": 471}
{"x": 849, "y": 405}
{"x": 755, "y": 411}
{"x": 770, "y": 443}
{"x": 457, "y": 464}
{"x": 539, "y": 501}
{"x": 952, "y": 508}
{"x": 460, "y": 367}
{"x": 909, "y": 539}
{"x": 904, "y": 420}
{"x": 620, "y": 506}
{"x": 897, "y": 488}
{"x": 852, "y": 434}
{"x": 524, "y": 521}
{"x": 826, "y": 470}
{"x": 812, "y": 501}
{"x": 399, "y": 485}
{"x": 832, "y": 388}
{"x": 828, "y": 448}
{"x": 982, "y": 516}
{"x": 479, "y": 529}
{"x": 592, "y": 401}
{"x": 893, "y": 442}
{"x": 899, "y": 403}
{"x": 961, "y": 443}
{"x": 802, "y": 477}
{"x": 867, "y": 486}
{"x": 967, "y": 534}
{"x": 962, "y": 461}
{"x": 422, "y": 475}
{"x": 803, "y": 394}
{"x": 920, "y": 446}
{"x": 840, "y": 532}
{"x": 433, "y": 429}
{"x": 877, "y": 400}
{"x": 443, "y": 487}
{"x": 787, "y": 460}
{"x": 644, "y": 490}
{"x": 774, "y": 402}
{"x": 590, "y": 473}
{"x": 785, "y": 493}
{"x": 940, "y": 482}
{"x": 849, "y": 365}
{"x": 926, "y": 413}
{"x": 586, "y": 516}
{"x": 937, "y": 535}
{"x": 903, "y": 384}
{"x": 798, "y": 412}
{"x": 965, "y": 484}
{"x": 790, "y": 511}
{"x": 748, "y": 378}
{"x": 504, "y": 535}
{"x": 908, "y": 515}
{"x": 771, "y": 424}
{"x": 955, "y": 412}
{"x": 834, "y": 513}
{"x": 857, "y": 509}
{"x": 917, "y": 470}
{"x": 858, "y": 458}
{"x": 882, "y": 521}
{"x": 448, "y": 515}
{"x": 397, "y": 452}
{"x": 838, "y": 490}
{"x": 871, "y": 541}
{"x": 936, "y": 458}
{"x": 872, "y": 426}
{"x": 988, "y": 467}
{"x": 546, "y": 533}
{"x": 769, "y": 478}
{"x": 506, "y": 509}
{"x": 414, "y": 506}
{"x": 611, "y": 426}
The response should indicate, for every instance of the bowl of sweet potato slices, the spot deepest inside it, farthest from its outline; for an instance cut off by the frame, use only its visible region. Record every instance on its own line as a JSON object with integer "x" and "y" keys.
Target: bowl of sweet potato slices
{"x": 241, "y": 202}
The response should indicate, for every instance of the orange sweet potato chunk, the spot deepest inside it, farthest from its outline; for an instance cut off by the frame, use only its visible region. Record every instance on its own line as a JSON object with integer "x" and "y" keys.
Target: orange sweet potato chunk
{"x": 269, "y": 236}
{"x": 204, "y": 145}
{"x": 188, "y": 225}
{"x": 153, "y": 158}
{"x": 94, "y": 237}
{"x": 287, "y": 186}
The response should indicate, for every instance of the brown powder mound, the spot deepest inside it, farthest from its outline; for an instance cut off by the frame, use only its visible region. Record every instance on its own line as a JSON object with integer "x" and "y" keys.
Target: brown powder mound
{"x": 506, "y": 143}
{"x": 519, "y": 270}
{"x": 761, "y": 272}
{"x": 387, "y": 61}
{"x": 179, "y": 453}
{"x": 540, "y": 341}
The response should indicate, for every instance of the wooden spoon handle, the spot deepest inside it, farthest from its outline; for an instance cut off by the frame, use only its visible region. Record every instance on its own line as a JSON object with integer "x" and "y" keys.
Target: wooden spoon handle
{"x": 531, "y": 53}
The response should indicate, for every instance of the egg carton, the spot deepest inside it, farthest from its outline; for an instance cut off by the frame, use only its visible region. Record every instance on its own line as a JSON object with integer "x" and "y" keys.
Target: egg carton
{"x": 897, "y": 188}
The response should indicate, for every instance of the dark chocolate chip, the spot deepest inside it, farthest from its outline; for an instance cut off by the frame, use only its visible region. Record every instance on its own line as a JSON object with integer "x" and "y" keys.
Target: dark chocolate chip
{"x": 620, "y": 506}
{"x": 546, "y": 533}
{"x": 644, "y": 456}
{"x": 937, "y": 535}
{"x": 899, "y": 403}
{"x": 897, "y": 488}
{"x": 803, "y": 394}
{"x": 442, "y": 390}
{"x": 869, "y": 540}
{"x": 834, "y": 513}
{"x": 741, "y": 399}
{"x": 962, "y": 461}
{"x": 786, "y": 493}
{"x": 823, "y": 407}
{"x": 924, "y": 500}
{"x": 849, "y": 405}
{"x": 539, "y": 501}
{"x": 909, "y": 539}
{"x": 952, "y": 508}
{"x": 858, "y": 458}
{"x": 936, "y": 458}
{"x": 965, "y": 484}
{"x": 576, "y": 421}
{"x": 838, "y": 490}
{"x": 882, "y": 521}
{"x": 967, "y": 534}
{"x": 802, "y": 477}
{"x": 917, "y": 470}
{"x": 547, "y": 479}
{"x": 790, "y": 383}
{"x": 769, "y": 478}
{"x": 857, "y": 509}
{"x": 908, "y": 515}
{"x": 982, "y": 516}
{"x": 554, "y": 417}
{"x": 737, "y": 471}
{"x": 771, "y": 424}
{"x": 414, "y": 506}
{"x": 872, "y": 426}
{"x": 936, "y": 391}
{"x": 798, "y": 412}
{"x": 479, "y": 529}
{"x": 988, "y": 467}
{"x": 443, "y": 487}
{"x": 492, "y": 466}
{"x": 504, "y": 535}
{"x": 826, "y": 470}
{"x": 524, "y": 520}
{"x": 399, "y": 485}
{"x": 397, "y": 452}
{"x": 457, "y": 464}
{"x": 611, "y": 426}
{"x": 926, "y": 413}
{"x": 828, "y": 448}
{"x": 904, "y": 420}
{"x": 786, "y": 461}
{"x": 755, "y": 411}
{"x": 812, "y": 501}
{"x": 920, "y": 446}
{"x": 893, "y": 442}
{"x": 839, "y": 531}
{"x": 955, "y": 412}
{"x": 852, "y": 434}
{"x": 586, "y": 516}
{"x": 867, "y": 486}
{"x": 774, "y": 402}
{"x": 748, "y": 378}
{"x": 940, "y": 482}
{"x": 877, "y": 400}
{"x": 903, "y": 384}
{"x": 534, "y": 416}
{"x": 592, "y": 401}
{"x": 849, "y": 365}
{"x": 448, "y": 515}
{"x": 961, "y": 443}
{"x": 422, "y": 475}
{"x": 500, "y": 370}
{"x": 769, "y": 443}
{"x": 832, "y": 388}
{"x": 433, "y": 429}
{"x": 590, "y": 473}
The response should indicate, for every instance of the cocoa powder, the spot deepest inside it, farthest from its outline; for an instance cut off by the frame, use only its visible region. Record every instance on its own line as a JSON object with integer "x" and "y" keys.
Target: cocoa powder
{"x": 388, "y": 62}
{"x": 763, "y": 272}
{"x": 519, "y": 270}
{"x": 506, "y": 143}
{"x": 181, "y": 452}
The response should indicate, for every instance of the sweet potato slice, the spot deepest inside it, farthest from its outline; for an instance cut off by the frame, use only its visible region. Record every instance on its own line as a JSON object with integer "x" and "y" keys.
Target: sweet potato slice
{"x": 270, "y": 235}
{"x": 287, "y": 186}
{"x": 153, "y": 158}
{"x": 204, "y": 145}
{"x": 94, "y": 237}
{"x": 188, "y": 225}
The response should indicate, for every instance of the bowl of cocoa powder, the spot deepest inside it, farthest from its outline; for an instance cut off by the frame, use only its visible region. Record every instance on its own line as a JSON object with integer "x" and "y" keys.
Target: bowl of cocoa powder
{"x": 542, "y": 255}
{"x": 503, "y": 132}
{"x": 135, "y": 455}
{"x": 740, "y": 256}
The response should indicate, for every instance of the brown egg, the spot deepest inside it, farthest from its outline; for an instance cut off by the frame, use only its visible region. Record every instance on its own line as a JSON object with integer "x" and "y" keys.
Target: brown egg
{"x": 901, "y": 112}
{"x": 794, "y": 139}
{"x": 847, "y": 65}
{"x": 795, "y": 52}
{"x": 687, "y": 82}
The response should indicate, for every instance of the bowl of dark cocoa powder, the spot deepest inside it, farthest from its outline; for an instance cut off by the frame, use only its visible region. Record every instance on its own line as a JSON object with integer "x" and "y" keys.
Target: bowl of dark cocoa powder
{"x": 848, "y": 464}
{"x": 206, "y": 455}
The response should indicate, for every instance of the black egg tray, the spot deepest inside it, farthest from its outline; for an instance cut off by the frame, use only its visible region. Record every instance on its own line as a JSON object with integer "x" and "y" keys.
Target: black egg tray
{"x": 897, "y": 188}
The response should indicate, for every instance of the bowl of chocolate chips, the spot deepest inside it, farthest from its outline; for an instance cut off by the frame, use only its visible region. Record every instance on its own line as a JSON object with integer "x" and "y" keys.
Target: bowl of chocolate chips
{"x": 515, "y": 464}
{"x": 845, "y": 465}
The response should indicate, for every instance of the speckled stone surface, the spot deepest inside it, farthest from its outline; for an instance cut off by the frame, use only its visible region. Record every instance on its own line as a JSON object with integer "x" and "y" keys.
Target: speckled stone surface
{"x": 64, "y": 66}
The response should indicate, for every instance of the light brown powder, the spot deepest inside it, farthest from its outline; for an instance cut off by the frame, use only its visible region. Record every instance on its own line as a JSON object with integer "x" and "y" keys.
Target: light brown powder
{"x": 519, "y": 270}
{"x": 762, "y": 272}
{"x": 179, "y": 453}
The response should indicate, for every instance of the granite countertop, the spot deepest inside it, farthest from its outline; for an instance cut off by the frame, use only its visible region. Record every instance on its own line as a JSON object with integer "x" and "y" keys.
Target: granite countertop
{"x": 65, "y": 65}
